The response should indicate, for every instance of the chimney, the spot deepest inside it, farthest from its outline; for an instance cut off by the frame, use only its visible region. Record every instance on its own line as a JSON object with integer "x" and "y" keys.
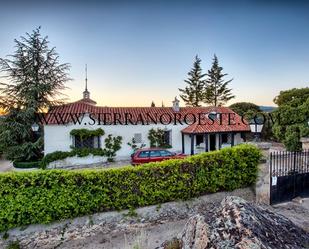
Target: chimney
{"x": 176, "y": 105}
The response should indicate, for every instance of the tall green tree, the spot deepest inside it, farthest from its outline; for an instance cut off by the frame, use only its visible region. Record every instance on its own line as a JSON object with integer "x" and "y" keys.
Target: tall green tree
{"x": 217, "y": 92}
{"x": 292, "y": 116}
{"x": 292, "y": 97}
{"x": 33, "y": 81}
{"x": 193, "y": 93}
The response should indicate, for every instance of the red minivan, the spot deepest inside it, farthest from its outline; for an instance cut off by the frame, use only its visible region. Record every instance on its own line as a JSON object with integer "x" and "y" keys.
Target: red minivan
{"x": 153, "y": 155}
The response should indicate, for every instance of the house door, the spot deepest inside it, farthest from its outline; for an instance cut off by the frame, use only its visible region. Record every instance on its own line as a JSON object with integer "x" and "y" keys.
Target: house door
{"x": 212, "y": 142}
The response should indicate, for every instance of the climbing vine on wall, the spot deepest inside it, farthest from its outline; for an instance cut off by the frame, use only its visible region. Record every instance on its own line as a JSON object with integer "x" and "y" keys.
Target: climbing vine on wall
{"x": 156, "y": 138}
{"x": 112, "y": 145}
{"x": 134, "y": 145}
{"x": 85, "y": 133}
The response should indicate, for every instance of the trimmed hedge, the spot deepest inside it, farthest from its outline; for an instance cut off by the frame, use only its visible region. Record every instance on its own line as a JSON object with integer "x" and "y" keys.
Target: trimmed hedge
{"x": 44, "y": 196}
{"x": 27, "y": 165}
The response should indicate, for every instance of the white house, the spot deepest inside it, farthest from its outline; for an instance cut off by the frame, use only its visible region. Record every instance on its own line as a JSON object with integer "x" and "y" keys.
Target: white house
{"x": 189, "y": 130}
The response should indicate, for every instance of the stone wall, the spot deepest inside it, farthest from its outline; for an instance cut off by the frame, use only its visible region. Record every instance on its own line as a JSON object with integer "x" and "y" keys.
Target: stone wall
{"x": 76, "y": 162}
{"x": 305, "y": 143}
{"x": 262, "y": 186}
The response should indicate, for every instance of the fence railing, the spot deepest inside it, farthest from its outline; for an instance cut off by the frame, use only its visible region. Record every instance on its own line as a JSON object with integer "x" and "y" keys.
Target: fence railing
{"x": 285, "y": 163}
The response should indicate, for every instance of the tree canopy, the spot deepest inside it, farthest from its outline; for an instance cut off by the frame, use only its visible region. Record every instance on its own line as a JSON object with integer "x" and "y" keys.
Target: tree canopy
{"x": 292, "y": 117}
{"x": 193, "y": 94}
{"x": 242, "y": 108}
{"x": 217, "y": 92}
{"x": 292, "y": 97}
{"x": 34, "y": 79}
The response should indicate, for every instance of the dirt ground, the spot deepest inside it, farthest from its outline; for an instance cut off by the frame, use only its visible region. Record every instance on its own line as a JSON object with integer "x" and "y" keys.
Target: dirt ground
{"x": 137, "y": 237}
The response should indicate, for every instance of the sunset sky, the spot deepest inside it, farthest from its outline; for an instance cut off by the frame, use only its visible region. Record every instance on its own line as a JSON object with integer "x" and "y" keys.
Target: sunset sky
{"x": 139, "y": 51}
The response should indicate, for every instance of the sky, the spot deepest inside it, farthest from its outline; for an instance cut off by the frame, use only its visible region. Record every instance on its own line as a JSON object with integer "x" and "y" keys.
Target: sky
{"x": 141, "y": 51}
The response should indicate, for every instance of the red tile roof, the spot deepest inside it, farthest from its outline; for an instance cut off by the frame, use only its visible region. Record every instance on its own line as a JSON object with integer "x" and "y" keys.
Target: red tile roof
{"x": 185, "y": 115}
{"x": 219, "y": 125}
{"x": 87, "y": 101}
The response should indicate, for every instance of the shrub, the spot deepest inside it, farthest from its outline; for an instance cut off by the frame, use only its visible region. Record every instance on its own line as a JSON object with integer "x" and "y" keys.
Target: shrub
{"x": 44, "y": 196}
{"x": 112, "y": 145}
{"x": 156, "y": 138}
{"x": 60, "y": 155}
{"x": 26, "y": 165}
{"x": 134, "y": 146}
{"x": 13, "y": 245}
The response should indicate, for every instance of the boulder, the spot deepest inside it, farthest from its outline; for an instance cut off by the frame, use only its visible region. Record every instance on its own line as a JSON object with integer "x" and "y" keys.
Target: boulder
{"x": 240, "y": 224}
{"x": 195, "y": 235}
{"x": 243, "y": 225}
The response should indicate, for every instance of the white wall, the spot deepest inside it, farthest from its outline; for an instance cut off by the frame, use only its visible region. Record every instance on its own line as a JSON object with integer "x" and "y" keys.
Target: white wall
{"x": 76, "y": 161}
{"x": 57, "y": 137}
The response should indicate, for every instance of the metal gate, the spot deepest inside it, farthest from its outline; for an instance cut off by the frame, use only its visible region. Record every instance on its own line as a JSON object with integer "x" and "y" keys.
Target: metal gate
{"x": 289, "y": 175}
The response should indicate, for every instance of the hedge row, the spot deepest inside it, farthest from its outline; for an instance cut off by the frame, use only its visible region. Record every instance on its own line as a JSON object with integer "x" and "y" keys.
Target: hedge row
{"x": 44, "y": 196}
{"x": 27, "y": 165}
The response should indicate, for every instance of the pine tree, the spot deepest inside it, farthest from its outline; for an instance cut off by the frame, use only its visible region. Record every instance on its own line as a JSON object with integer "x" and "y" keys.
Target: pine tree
{"x": 217, "y": 92}
{"x": 153, "y": 104}
{"x": 34, "y": 81}
{"x": 193, "y": 94}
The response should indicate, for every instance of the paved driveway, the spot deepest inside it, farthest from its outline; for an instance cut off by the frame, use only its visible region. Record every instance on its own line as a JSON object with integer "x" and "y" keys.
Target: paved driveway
{"x": 6, "y": 165}
{"x": 297, "y": 212}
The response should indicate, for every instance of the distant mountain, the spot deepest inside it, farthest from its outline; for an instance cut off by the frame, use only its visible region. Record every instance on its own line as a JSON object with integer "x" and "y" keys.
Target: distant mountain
{"x": 267, "y": 108}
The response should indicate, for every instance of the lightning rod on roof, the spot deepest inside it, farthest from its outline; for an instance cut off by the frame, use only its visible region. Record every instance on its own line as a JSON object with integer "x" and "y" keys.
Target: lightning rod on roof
{"x": 86, "y": 79}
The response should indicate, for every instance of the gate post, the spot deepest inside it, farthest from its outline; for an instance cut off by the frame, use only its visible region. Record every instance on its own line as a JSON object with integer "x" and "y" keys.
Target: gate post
{"x": 262, "y": 186}
{"x": 305, "y": 143}
{"x": 294, "y": 174}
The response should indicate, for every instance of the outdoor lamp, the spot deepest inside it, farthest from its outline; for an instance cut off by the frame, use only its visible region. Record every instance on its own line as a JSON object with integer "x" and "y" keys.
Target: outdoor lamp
{"x": 256, "y": 126}
{"x": 35, "y": 127}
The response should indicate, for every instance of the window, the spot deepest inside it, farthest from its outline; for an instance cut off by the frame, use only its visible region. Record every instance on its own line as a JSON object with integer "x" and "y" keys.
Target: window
{"x": 165, "y": 153}
{"x": 90, "y": 142}
{"x": 143, "y": 154}
{"x": 168, "y": 137}
{"x": 224, "y": 138}
{"x": 138, "y": 137}
{"x": 199, "y": 139}
{"x": 155, "y": 153}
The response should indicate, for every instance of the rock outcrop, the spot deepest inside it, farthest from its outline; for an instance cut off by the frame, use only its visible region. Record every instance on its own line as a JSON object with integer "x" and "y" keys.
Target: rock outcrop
{"x": 242, "y": 225}
{"x": 196, "y": 233}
